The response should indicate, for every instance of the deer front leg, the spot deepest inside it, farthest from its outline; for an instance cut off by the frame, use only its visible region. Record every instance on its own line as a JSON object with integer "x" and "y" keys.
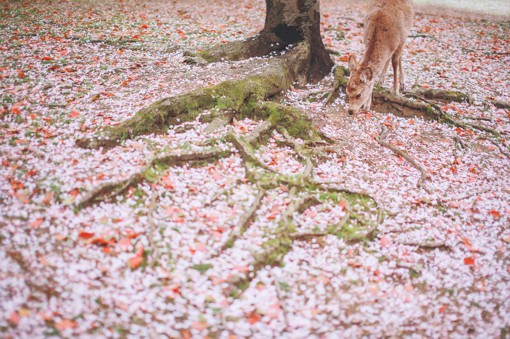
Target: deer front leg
{"x": 368, "y": 104}
{"x": 401, "y": 72}
{"x": 395, "y": 61}
{"x": 383, "y": 74}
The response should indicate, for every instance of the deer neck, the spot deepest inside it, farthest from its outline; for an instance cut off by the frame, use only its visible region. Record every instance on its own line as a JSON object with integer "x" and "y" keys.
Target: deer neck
{"x": 376, "y": 56}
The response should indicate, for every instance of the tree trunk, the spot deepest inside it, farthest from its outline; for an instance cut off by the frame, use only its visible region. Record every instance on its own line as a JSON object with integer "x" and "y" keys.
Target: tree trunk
{"x": 288, "y": 22}
{"x": 293, "y": 21}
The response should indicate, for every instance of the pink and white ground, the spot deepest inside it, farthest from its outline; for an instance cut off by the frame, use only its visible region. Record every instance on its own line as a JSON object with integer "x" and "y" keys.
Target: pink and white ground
{"x": 439, "y": 266}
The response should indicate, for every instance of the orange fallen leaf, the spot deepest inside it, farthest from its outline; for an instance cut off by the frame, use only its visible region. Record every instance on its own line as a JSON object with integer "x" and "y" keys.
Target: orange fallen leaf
{"x": 85, "y": 235}
{"x": 124, "y": 244}
{"x": 495, "y": 214}
{"x": 135, "y": 262}
{"x": 48, "y": 198}
{"x": 200, "y": 325}
{"x": 469, "y": 261}
{"x": 65, "y": 325}
{"x": 37, "y": 222}
{"x": 14, "y": 318}
{"x": 253, "y": 317}
{"x": 344, "y": 58}
{"x": 74, "y": 114}
{"x": 168, "y": 183}
{"x": 385, "y": 241}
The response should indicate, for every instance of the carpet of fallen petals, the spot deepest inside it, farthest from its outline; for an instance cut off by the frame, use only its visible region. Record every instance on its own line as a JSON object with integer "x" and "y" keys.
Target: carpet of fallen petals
{"x": 438, "y": 267}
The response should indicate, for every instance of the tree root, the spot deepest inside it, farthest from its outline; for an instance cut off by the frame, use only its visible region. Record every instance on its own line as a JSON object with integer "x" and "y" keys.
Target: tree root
{"x": 46, "y": 288}
{"x": 262, "y": 44}
{"x": 443, "y": 95}
{"x": 501, "y": 104}
{"x": 340, "y": 75}
{"x": 333, "y": 230}
{"x": 384, "y": 101}
{"x": 501, "y": 150}
{"x": 109, "y": 190}
{"x": 423, "y": 177}
{"x": 240, "y": 99}
{"x": 244, "y": 221}
{"x": 425, "y": 109}
{"x": 152, "y": 224}
{"x": 426, "y": 245}
{"x": 236, "y": 95}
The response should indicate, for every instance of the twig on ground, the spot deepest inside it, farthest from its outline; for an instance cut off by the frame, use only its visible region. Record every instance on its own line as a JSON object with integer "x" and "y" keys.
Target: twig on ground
{"x": 153, "y": 227}
{"x": 426, "y": 245}
{"x": 423, "y": 177}
{"x": 333, "y": 51}
{"x": 506, "y": 154}
{"x": 281, "y": 299}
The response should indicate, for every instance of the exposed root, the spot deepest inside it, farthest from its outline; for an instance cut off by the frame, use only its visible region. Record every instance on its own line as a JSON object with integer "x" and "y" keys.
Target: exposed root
{"x": 247, "y": 152}
{"x": 218, "y": 123}
{"x": 308, "y": 165}
{"x": 234, "y": 95}
{"x": 332, "y": 230}
{"x": 152, "y": 224}
{"x": 333, "y": 51}
{"x": 423, "y": 177}
{"x": 244, "y": 221}
{"x": 340, "y": 84}
{"x": 501, "y": 150}
{"x": 443, "y": 95}
{"x": 435, "y": 112}
{"x": 280, "y": 242}
{"x": 501, "y": 104}
{"x": 46, "y": 288}
{"x": 109, "y": 190}
{"x": 386, "y": 102}
{"x": 281, "y": 300}
{"x": 263, "y": 129}
{"x": 425, "y": 245}
{"x": 477, "y": 118}
{"x": 262, "y": 44}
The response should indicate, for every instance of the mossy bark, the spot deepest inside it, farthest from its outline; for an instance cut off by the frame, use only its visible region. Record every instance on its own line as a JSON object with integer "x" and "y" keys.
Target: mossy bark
{"x": 288, "y": 23}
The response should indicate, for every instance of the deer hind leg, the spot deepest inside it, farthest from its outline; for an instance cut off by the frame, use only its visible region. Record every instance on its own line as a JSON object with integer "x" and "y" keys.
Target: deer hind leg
{"x": 396, "y": 62}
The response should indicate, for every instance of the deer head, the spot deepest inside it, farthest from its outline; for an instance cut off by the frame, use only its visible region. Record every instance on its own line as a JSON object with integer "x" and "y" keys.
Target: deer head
{"x": 360, "y": 86}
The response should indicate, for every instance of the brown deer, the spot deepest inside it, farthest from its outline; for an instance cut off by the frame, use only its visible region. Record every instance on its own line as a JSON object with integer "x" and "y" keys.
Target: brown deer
{"x": 387, "y": 26}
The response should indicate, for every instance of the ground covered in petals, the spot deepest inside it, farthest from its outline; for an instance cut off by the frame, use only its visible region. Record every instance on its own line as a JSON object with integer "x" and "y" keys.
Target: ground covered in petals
{"x": 177, "y": 254}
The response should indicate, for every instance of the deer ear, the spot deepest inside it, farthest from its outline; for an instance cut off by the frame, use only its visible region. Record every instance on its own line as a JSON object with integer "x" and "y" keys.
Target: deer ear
{"x": 366, "y": 74}
{"x": 353, "y": 64}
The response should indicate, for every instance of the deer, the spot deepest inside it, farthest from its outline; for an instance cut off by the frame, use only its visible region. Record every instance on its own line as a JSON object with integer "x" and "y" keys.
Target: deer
{"x": 386, "y": 27}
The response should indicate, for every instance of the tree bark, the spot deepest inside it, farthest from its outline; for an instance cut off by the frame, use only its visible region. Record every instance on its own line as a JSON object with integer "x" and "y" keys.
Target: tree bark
{"x": 288, "y": 22}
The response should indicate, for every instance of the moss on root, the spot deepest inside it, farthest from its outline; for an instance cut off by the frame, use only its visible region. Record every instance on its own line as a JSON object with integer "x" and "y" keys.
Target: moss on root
{"x": 340, "y": 75}
{"x": 237, "y": 95}
{"x": 444, "y": 95}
